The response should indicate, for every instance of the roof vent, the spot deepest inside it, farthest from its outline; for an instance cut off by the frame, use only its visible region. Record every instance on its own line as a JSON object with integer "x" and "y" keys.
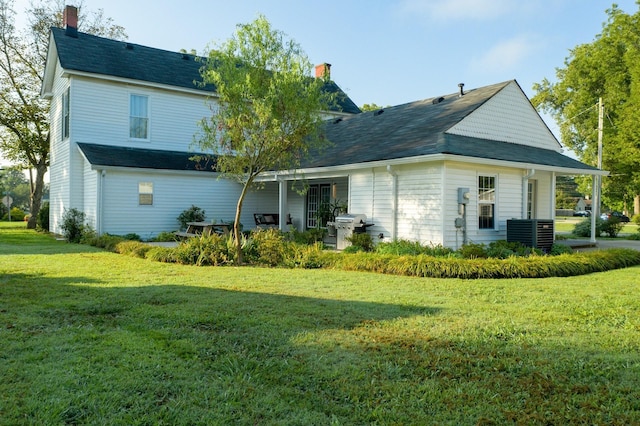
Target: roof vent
{"x": 378, "y": 112}
{"x": 437, "y": 100}
{"x": 461, "y": 86}
{"x": 128, "y": 46}
{"x": 185, "y": 56}
{"x": 337, "y": 120}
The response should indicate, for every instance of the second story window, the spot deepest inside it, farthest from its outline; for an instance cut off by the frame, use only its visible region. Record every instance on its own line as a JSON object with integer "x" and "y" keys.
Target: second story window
{"x": 139, "y": 117}
{"x": 65, "y": 114}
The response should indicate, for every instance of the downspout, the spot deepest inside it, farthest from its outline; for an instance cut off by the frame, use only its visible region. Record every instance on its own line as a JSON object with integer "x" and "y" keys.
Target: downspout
{"x": 100, "y": 201}
{"x": 394, "y": 201}
{"x": 525, "y": 191}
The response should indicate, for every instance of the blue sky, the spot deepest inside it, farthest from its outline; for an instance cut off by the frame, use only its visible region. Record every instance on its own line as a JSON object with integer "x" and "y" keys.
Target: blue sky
{"x": 387, "y": 52}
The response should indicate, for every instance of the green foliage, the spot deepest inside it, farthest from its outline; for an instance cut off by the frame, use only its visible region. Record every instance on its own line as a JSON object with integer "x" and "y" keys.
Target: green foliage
{"x": 607, "y": 68}
{"x": 73, "y": 225}
{"x": 361, "y": 242}
{"x": 402, "y": 247}
{"x": 583, "y": 228}
{"x": 473, "y": 251}
{"x": 558, "y": 249}
{"x": 165, "y": 236}
{"x": 42, "y": 223}
{"x": 267, "y": 115}
{"x": 309, "y": 237}
{"x": 612, "y": 226}
{"x": 132, "y": 248}
{"x": 212, "y": 250}
{"x": 17, "y": 215}
{"x": 192, "y": 214}
{"x": 266, "y": 247}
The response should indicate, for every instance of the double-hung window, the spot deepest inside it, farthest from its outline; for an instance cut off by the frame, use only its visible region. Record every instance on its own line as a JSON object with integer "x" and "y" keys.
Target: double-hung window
{"x": 64, "y": 125}
{"x": 145, "y": 193}
{"x": 139, "y": 117}
{"x": 486, "y": 202}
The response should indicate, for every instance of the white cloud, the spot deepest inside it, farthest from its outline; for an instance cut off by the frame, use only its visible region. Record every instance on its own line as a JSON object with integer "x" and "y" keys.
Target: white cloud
{"x": 506, "y": 55}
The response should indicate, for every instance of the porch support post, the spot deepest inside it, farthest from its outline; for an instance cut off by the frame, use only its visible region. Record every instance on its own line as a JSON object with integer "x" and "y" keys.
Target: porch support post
{"x": 282, "y": 204}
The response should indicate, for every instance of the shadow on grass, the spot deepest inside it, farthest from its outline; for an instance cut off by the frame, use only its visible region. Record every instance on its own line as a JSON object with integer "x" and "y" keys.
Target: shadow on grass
{"x": 77, "y": 353}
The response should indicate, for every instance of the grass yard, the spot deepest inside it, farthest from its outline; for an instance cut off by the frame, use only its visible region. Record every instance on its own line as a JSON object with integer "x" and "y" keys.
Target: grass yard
{"x": 93, "y": 337}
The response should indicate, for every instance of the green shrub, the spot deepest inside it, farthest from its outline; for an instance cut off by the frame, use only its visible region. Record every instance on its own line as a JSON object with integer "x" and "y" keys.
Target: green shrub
{"x": 42, "y": 221}
{"x": 73, "y": 225}
{"x": 583, "y": 228}
{"x": 309, "y": 237}
{"x": 361, "y": 242}
{"x": 304, "y": 255}
{"x": 636, "y": 219}
{"x": 212, "y": 250}
{"x": 612, "y": 226}
{"x": 162, "y": 254}
{"x": 132, "y": 248}
{"x": 104, "y": 241}
{"x": 192, "y": 214}
{"x": 473, "y": 251}
{"x": 17, "y": 215}
{"x": 401, "y": 247}
{"x": 558, "y": 249}
{"x": 165, "y": 237}
{"x": 266, "y": 247}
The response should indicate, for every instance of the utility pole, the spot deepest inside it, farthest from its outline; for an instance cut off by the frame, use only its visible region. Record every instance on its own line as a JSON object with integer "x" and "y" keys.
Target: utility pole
{"x": 597, "y": 179}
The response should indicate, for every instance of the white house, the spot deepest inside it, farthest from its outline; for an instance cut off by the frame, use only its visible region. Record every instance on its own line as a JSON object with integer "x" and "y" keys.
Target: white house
{"x": 444, "y": 170}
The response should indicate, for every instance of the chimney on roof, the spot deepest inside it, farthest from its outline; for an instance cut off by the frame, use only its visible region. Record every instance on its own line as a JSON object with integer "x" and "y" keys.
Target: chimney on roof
{"x": 70, "y": 20}
{"x": 461, "y": 86}
{"x": 323, "y": 71}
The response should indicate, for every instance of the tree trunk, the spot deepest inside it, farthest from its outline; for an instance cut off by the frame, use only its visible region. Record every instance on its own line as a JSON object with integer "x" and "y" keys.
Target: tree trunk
{"x": 237, "y": 232}
{"x": 636, "y": 205}
{"x": 37, "y": 189}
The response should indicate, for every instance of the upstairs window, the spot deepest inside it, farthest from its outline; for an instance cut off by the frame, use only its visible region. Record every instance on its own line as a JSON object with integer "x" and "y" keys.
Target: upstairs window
{"x": 486, "y": 202}
{"x": 64, "y": 125}
{"x": 139, "y": 117}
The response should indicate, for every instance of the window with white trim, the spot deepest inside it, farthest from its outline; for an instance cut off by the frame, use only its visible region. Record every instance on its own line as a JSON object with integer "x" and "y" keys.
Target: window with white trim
{"x": 486, "y": 202}
{"x": 64, "y": 125}
{"x": 139, "y": 117}
{"x": 531, "y": 199}
{"x": 145, "y": 193}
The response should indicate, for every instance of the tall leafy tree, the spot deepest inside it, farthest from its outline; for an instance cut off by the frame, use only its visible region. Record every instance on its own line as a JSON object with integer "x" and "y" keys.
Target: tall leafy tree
{"x": 266, "y": 114}
{"x": 24, "y": 126}
{"x": 607, "y": 68}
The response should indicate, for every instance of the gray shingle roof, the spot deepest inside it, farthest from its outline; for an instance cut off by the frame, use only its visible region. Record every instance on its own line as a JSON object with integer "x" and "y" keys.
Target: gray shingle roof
{"x": 419, "y": 129}
{"x": 117, "y": 156}
{"x": 98, "y": 55}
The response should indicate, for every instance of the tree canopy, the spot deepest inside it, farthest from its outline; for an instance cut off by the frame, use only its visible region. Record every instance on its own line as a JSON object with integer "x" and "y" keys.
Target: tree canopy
{"x": 607, "y": 68}
{"x": 266, "y": 113}
{"x": 24, "y": 126}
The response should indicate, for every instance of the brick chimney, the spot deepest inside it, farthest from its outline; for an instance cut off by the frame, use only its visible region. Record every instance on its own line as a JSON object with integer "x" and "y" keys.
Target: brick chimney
{"x": 70, "y": 20}
{"x": 323, "y": 71}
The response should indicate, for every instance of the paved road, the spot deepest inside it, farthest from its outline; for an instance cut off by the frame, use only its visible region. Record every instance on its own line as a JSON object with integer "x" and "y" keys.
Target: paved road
{"x": 581, "y": 245}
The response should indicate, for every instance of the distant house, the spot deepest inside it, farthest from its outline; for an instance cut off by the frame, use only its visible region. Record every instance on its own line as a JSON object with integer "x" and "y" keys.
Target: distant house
{"x": 444, "y": 170}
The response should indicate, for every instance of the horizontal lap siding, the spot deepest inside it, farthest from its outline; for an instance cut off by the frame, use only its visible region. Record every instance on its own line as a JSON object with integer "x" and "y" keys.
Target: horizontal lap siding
{"x": 90, "y": 189}
{"x": 508, "y": 203}
{"x": 420, "y": 213}
{"x": 172, "y": 194}
{"x": 102, "y": 115}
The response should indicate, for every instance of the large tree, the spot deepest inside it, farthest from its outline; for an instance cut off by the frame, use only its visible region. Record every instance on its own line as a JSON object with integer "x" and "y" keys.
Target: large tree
{"x": 24, "y": 126}
{"x": 607, "y": 68}
{"x": 266, "y": 109}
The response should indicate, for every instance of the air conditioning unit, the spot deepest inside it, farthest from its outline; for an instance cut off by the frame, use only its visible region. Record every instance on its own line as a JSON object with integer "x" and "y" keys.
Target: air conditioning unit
{"x": 536, "y": 233}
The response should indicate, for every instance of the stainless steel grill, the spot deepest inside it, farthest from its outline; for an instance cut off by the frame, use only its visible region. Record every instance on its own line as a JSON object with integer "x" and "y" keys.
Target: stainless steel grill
{"x": 346, "y": 225}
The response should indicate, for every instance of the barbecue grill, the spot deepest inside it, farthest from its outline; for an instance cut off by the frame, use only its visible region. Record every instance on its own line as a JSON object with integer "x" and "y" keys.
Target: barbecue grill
{"x": 346, "y": 225}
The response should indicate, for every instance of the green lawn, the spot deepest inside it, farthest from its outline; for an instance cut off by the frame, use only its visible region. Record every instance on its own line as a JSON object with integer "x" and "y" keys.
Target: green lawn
{"x": 92, "y": 337}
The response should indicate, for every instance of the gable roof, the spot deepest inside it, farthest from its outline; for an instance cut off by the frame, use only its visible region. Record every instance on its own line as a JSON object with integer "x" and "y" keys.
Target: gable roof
{"x": 420, "y": 129}
{"x": 91, "y": 54}
{"x": 118, "y": 156}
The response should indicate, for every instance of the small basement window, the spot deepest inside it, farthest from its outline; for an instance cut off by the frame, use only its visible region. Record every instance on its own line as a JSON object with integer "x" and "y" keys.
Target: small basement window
{"x": 145, "y": 193}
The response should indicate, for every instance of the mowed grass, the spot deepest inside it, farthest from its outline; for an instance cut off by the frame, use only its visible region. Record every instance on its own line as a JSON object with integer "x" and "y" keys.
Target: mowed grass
{"x": 91, "y": 337}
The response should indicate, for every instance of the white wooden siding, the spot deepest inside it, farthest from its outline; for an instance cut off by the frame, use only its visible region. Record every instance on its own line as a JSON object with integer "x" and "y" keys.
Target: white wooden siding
{"x": 101, "y": 115}
{"x": 90, "y": 190}
{"x": 508, "y": 117}
{"x": 172, "y": 194}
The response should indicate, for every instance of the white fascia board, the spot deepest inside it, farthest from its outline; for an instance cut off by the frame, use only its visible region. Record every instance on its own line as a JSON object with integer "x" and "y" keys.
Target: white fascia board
{"x": 129, "y": 81}
{"x": 344, "y": 170}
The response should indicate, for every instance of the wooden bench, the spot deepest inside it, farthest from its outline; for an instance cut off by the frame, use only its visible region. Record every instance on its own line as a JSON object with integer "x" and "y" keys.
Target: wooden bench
{"x": 198, "y": 229}
{"x": 267, "y": 220}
